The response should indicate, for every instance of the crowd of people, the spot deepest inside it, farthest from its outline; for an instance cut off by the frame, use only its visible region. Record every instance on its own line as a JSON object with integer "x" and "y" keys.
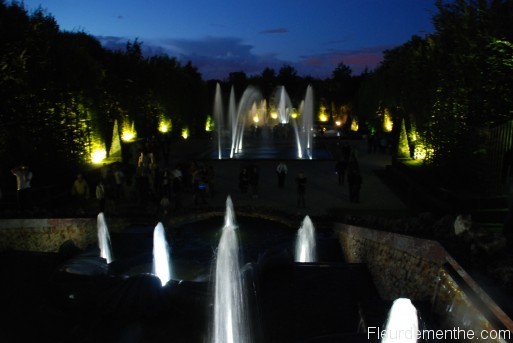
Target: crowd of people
{"x": 143, "y": 181}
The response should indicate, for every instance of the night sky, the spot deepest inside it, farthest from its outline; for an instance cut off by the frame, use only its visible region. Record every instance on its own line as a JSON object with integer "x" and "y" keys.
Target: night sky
{"x": 220, "y": 37}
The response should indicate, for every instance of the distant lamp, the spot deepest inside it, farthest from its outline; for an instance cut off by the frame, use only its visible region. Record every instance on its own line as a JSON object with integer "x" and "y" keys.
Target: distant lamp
{"x": 338, "y": 122}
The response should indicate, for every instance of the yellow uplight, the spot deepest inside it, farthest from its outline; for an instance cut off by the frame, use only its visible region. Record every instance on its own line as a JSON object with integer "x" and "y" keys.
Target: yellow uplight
{"x": 98, "y": 155}
{"x": 185, "y": 133}
{"x": 354, "y": 125}
{"x": 274, "y": 115}
{"x": 209, "y": 125}
{"x": 338, "y": 122}
{"x": 322, "y": 114}
{"x": 387, "y": 122}
{"x": 164, "y": 125}
{"x": 128, "y": 133}
{"x": 256, "y": 119}
{"x": 293, "y": 115}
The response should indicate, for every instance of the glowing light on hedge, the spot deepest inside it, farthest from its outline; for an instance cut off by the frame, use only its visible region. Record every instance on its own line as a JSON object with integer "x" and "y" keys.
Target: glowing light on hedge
{"x": 274, "y": 115}
{"x": 338, "y": 122}
{"x": 209, "y": 125}
{"x": 322, "y": 114}
{"x": 256, "y": 119}
{"x": 164, "y": 125}
{"x": 185, "y": 133}
{"x": 354, "y": 125}
{"x": 128, "y": 133}
{"x": 293, "y": 115}
{"x": 388, "y": 124}
{"x": 420, "y": 152}
{"x": 98, "y": 153}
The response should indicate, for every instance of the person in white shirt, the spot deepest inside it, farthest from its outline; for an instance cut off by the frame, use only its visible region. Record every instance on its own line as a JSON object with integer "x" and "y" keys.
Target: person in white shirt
{"x": 282, "y": 171}
{"x": 23, "y": 186}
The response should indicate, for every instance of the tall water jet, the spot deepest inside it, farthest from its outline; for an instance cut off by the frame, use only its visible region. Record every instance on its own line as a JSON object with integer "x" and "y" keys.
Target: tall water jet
{"x": 402, "y": 323}
{"x": 230, "y": 303}
{"x": 104, "y": 238}
{"x": 161, "y": 261}
{"x": 305, "y": 243}
{"x": 307, "y": 114}
{"x": 218, "y": 118}
{"x": 250, "y": 96}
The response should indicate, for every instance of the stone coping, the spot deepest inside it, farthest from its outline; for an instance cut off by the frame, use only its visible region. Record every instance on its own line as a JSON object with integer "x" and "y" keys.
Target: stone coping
{"x": 427, "y": 250}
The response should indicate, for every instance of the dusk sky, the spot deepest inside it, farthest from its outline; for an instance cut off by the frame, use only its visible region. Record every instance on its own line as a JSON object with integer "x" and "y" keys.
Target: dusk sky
{"x": 220, "y": 37}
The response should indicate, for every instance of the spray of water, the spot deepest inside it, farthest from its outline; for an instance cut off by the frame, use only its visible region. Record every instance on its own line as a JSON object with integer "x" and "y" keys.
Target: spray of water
{"x": 305, "y": 242}
{"x": 161, "y": 261}
{"x": 218, "y": 118}
{"x": 104, "y": 238}
{"x": 230, "y": 304}
{"x": 402, "y": 323}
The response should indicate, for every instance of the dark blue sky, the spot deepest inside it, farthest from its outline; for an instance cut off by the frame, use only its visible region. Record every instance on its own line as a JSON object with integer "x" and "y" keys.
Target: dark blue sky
{"x": 246, "y": 35}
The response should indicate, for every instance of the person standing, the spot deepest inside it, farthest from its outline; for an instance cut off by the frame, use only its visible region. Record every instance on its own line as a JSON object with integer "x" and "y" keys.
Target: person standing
{"x": 282, "y": 171}
{"x": 119, "y": 183}
{"x": 354, "y": 179}
{"x": 340, "y": 170}
{"x": 100, "y": 195}
{"x": 253, "y": 181}
{"x": 80, "y": 190}
{"x": 23, "y": 186}
{"x": 301, "y": 189}
{"x": 244, "y": 180}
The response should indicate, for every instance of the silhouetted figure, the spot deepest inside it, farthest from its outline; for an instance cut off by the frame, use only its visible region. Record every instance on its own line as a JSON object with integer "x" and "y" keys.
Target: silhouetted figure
{"x": 301, "y": 189}
{"x": 244, "y": 180}
{"x": 100, "y": 196}
{"x": 354, "y": 179}
{"x": 254, "y": 176}
{"x": 340, "y": 170}
{"x": 282, "y": 171}
{"x": 80, "y": 191}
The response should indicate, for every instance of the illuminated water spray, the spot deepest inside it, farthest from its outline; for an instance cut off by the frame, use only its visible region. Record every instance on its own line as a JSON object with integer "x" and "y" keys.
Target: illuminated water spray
{"x": 402, "y": 323}
{"x": 104, "y": 238}
{"x": 218, "y": 118}
{"x": 305, "y": 242}
{"x": 230, "y": 304}
{"x": 161, "y": 261}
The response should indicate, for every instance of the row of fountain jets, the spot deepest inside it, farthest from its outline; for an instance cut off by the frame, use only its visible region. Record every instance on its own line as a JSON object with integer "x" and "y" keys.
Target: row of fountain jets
{"x": 252, "y": 110}
{"x": 230, "y": 309}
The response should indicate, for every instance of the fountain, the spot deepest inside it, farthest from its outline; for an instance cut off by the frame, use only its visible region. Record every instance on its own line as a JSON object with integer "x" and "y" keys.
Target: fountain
{"x": 251, "y": 111}
{"x": 104, "y": 238}
{"x": 230, "y": 303}
{"x": 218, "y": 118}
{"x": 307, "y": 114}
{"x": 250, "y": 96}
{"x": 161, "y": 261}
{"x": 402, "y": 323}
{"x": 305, "y": 250}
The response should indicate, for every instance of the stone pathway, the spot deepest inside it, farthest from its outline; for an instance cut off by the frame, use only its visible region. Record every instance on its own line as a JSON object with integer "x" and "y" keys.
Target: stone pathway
{"x": 323, "y": 194}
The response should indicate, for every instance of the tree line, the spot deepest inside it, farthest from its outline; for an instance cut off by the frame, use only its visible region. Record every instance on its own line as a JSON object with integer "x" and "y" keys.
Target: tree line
{"x": 60, "y": 89}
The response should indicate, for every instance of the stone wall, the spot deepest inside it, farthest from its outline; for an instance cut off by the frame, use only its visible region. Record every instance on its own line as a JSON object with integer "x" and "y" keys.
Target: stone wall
{"x": 47, "y": 235}
{"x": 422, "y": 270}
